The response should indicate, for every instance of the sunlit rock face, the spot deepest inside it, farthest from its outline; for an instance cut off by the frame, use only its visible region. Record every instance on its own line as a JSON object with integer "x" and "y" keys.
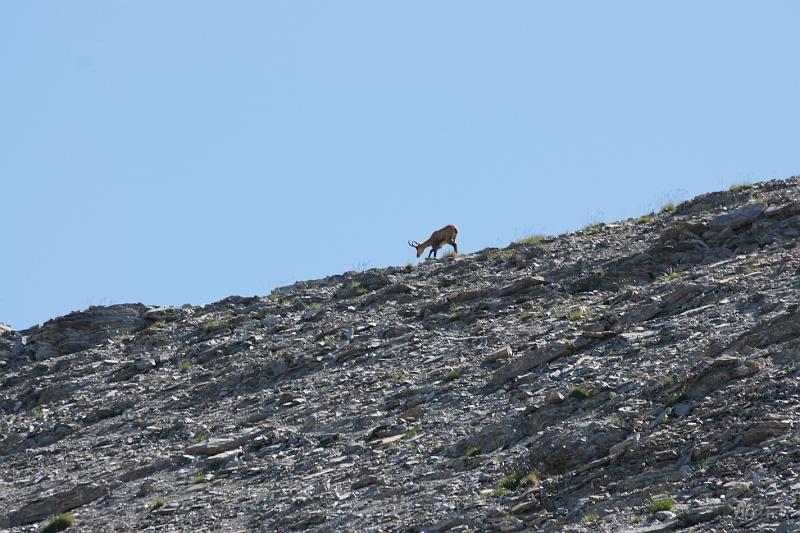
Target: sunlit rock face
{"x": 639, "y": 375}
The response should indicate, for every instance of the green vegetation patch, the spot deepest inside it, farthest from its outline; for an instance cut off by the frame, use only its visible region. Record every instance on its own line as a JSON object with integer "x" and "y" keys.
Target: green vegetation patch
{"x": 575, "y": 314}
{"x": 579, "y": 393}
{"x": 674, "y": 276}
{"x": 662, "y": 504}
{"x": 158, "y": 503}
{"x": 58, "y": 523}
{"x": 669, "y": 208}
{"x": 452, "y": 375}
{"x": 360, "y": 290}
{"x": 535, "y": 240}
{"x": 210, "y": 327}
{"x": 524, "y": 316}
{"x": 515, "y": 480}
{"x": 472, "y": 452}
{"x": 411, "y": 433}
{"x": 739, "y": 187}
{"x": 501, "y": 255}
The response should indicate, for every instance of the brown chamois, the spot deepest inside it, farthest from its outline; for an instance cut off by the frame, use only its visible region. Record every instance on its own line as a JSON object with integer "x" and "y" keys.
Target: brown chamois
{"x": 446, "y": 235}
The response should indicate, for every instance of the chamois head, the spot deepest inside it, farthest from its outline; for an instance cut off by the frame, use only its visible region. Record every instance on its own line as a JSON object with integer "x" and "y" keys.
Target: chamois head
{"x": 418, "y": 246}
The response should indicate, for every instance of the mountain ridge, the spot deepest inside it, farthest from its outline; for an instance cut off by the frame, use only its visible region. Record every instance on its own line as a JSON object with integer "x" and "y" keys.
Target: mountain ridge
{"x": 638, "y": 375}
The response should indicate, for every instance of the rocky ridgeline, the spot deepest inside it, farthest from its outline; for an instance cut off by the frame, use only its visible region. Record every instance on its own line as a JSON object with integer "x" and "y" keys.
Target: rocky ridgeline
{"x": 640, "y": 375}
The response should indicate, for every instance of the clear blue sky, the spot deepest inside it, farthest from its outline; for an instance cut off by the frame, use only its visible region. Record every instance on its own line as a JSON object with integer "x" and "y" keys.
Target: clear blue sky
{"x": 183, "y": 151}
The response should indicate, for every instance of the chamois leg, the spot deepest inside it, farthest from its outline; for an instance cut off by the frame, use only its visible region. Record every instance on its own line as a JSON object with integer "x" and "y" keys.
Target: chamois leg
{"x": 454, "y": 245}
{"x": 432, "y": 252}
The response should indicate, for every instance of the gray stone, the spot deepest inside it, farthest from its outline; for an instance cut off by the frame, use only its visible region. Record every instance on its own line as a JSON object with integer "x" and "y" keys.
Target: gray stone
{"x": 60, "y": 502}
{"x": 738, "y": 218}
{"x": 503, "y": 353}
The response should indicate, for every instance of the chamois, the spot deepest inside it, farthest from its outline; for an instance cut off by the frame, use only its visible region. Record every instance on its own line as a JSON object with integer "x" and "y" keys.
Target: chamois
{"x": 446, "y": 235}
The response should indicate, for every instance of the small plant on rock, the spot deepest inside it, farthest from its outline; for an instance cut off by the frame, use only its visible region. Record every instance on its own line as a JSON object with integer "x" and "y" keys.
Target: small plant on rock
{"x": 411, "y": 433}
{"x": 200, "y": 479}
{"x": 646, "y": 219}
{"x": 472, "y": 452}
{"x": 210, "y": 327}
{"x": 274, "y": 296}
{"x": 360, "y": 290}
{"x": 592, "y": 229}
{"x": 662, "y": 504}
{"x": 58, "y": 523}
{"x": 593, "y": 517}
{"x": 673, "y": 275}
{"x": 451, "y": 375}
{"x": 398, "y": 375}
{"x": 500, "y": 491}
{"x": 185, "y": 367}
{"x": 579, "y": 393}
{"x": 501, "y": 255}
{"x": 158, "y": 503}
{"x": 532, "y": 479}
{"x": 669, "y": 208}
{"x": 536, "y": 240}
{"x": 511, "y": 481}
{"x": 575, "y": 314}
{"x": 739, "y": 187}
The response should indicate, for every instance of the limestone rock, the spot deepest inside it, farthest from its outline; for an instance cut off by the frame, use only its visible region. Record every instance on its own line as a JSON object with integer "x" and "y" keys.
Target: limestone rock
{"x": 652, "y": 386}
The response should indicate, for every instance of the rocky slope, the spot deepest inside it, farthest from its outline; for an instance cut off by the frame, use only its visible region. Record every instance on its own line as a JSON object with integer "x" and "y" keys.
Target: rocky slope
{"x": 641, "y": 375}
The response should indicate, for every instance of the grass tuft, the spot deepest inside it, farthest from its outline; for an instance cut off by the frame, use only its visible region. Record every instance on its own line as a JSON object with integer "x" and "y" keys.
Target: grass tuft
{"x": 674, "y": 276}
{"x": 739, "y": 187}
{"x": 533, "y": 239}
{"x": 452, "y": 375}
{"x": 663, "y": 504}
{"x": 58, "y": 523}
{"x": 524, "y": 316}
{"x": 501, "y": 255}
{"x": 579, "y": 393}
{"x": 575, "y": 314}
{"x": 411, "y": 433}
{"x": 210, "y": 327}
{"x": 158, "y": 503}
